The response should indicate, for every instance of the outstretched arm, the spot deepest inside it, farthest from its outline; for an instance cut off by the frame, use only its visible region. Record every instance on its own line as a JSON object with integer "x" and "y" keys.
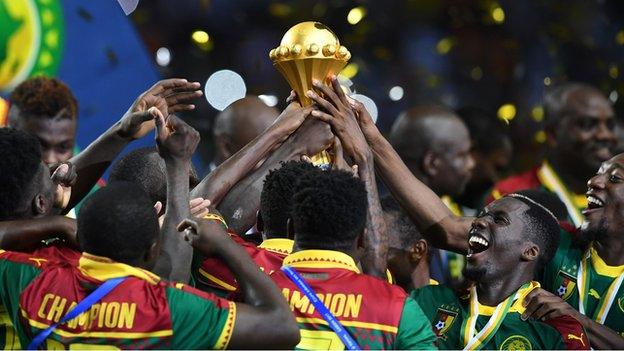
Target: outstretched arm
{"x": 431, "y": 216}
{"x": 166, "y": 96}
{"x": 240, "y": 205}
{"x": 264, "y": 320}
{"x": 176, "y": 142}
{"x": 27, "y": 234}
{"x": 336, "y": 110}
{"x": 218, "y": 183}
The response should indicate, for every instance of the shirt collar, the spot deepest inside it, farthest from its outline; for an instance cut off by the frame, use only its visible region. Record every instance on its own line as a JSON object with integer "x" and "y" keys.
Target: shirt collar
{"x": 516, "y": 306}
{"x": 602, "y": 267}
{"x": 320, "y": 259}
{"x": 277, "y": 245}
{"x": 102, "y": 268}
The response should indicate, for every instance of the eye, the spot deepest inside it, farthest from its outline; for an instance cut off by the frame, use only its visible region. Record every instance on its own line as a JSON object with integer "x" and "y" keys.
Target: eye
{"x": 586, "y": 123}
{"x": 615, "y": 179}
{"x": 500, "y": 220}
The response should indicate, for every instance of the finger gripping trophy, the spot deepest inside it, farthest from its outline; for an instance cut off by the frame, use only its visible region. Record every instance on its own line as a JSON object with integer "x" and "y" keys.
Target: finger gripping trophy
{"x": 309, "y": 50}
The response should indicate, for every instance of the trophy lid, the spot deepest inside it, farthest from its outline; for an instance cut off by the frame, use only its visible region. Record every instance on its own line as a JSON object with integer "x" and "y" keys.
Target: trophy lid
{"x": 309, "y": 40}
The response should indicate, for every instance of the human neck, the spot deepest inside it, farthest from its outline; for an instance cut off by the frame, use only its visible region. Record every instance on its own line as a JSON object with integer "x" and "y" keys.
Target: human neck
{"x": 420, "y": 275}
{"x": 493, "y": 293}
{"x": 570, "y": 174}
{"x": 611, "y": 249}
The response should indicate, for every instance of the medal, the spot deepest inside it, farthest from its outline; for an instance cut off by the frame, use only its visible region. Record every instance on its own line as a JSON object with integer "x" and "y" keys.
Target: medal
{"x": 475, "y": 342}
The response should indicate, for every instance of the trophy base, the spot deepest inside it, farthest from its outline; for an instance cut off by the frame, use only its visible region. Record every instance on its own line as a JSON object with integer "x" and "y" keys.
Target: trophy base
{"x": 322, "y": 160}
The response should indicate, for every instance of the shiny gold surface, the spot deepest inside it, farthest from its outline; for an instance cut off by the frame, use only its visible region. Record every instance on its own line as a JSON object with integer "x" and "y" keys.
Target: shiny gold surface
{"x": 308, "y": 50}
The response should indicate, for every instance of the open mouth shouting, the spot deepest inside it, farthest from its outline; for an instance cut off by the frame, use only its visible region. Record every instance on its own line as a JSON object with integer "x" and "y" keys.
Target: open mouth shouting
{"x": 477, "y": 243}
{"x": 594, "y": 203}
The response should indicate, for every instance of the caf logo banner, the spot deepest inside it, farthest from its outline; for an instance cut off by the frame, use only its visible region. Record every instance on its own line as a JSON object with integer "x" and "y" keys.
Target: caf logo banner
{"x": 31, "y": 40}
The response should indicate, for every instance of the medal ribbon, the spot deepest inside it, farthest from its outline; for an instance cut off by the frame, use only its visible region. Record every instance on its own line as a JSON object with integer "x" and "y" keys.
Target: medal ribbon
{"x": 582, "y": 283}
{"x": 549, "y": 178}
{"x": 476, "y": 342}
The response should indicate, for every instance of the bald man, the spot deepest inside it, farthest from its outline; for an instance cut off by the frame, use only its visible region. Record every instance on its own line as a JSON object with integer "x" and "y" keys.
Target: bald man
{"x": 580, "y": 129}
{"x": 435, "y": 145}
{"x": 239, "y": 124}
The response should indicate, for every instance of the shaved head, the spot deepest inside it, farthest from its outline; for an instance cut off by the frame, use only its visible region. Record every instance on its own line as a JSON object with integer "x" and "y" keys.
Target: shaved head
{"x": 433, "y": 142}
{"x": 239, "y": 124}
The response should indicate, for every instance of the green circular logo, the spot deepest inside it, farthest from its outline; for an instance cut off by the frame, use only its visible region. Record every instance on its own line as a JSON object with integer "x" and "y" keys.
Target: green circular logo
{"x": 31, "y": 39}
{"x": 516, "y": 342}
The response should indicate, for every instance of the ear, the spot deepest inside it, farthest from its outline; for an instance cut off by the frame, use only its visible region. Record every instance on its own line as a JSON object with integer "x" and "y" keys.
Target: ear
{"x": 430, "y": 164}
{"x": 40, "y": 205}
{"x": 531, "y": 252}
{"x": 418, "y": 251}
{"x": 290, "y": 229}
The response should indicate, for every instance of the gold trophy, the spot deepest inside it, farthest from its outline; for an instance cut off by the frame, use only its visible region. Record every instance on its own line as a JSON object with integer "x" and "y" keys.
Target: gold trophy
{"x": 309, "y": 50}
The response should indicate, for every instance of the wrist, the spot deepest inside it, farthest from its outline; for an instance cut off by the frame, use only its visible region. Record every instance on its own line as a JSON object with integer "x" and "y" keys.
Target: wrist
{"x": 363, "y": 158}
{"x": 177, "y": 162}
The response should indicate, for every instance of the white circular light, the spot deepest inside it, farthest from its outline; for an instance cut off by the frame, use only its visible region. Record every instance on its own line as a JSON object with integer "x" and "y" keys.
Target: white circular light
{"x": 613, "y": 96}
{"x": 163, "y": 56}
{"x": 369, "y": 104}
{"x": 223, "y": 88}
{"x": 396, "y": 93}
{"x": 269, "y": 100}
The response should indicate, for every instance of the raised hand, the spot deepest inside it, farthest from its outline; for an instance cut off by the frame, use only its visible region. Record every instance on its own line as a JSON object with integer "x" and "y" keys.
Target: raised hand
{"x": 312, "y": 137}
{"x": 175, "y": 140}
{"x": 291, "y": 118}
{"x": 336, "y": 110}
{"x": 167, "y": 96}
{"x": 205, "y": 235}
{"x": 543, "y": 305}
{"x": 199, "y": 208}
{"x": 63, "y": 174}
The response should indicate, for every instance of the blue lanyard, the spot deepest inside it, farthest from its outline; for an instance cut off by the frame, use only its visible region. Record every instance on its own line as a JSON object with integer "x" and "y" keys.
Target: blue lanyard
{"x": 334, "y": 324}
{"x": 81, "y": 307}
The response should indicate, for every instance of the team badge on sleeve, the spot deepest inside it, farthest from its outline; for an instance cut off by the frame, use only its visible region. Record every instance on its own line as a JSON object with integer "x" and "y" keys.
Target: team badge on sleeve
{"x": 443, "y": 321}
{"x": 566, "y": 286}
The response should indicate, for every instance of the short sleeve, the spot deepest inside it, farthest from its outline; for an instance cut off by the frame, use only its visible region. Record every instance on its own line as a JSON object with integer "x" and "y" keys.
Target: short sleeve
{"x": 414, "y": 329}
{"x": 16, "y": 272}
{"x": 200, "y": 320}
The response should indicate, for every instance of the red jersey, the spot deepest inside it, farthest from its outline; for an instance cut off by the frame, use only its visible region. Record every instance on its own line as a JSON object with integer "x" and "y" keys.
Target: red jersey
{"x": 52, "y": 253}
{"x": 142, "y": 312}
{"x": 212, "y": 275}
{"x": 378, "y": 315}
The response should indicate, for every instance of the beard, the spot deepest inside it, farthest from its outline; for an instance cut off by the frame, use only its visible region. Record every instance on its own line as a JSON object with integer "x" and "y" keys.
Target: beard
{"x": 589, "y": 233}
{"x": 474, "y": 274}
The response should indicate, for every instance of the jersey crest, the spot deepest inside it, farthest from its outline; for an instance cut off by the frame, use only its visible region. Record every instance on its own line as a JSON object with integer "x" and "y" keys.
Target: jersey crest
{"x": 567, "y": 285}
{"x": 443, "y": 321}
{"x": 516, "y": 342}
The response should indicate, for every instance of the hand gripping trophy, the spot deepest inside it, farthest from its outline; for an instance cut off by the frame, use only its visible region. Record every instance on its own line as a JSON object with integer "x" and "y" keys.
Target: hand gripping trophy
{"x": 309, "y": 50}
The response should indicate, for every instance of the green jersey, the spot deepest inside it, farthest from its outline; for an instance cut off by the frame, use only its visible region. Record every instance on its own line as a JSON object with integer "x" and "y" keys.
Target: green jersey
{"x": 603, "y": 297}
{"x": 142, "y": 312}
{"x": 450, "y": 312}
